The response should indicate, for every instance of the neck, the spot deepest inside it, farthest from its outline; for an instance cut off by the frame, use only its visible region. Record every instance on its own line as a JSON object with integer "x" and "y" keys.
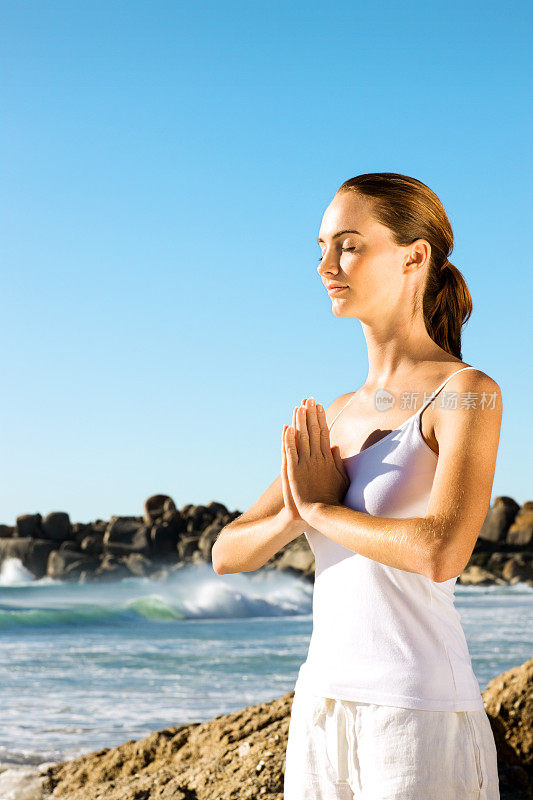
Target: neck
{"x": 397, "y": 351}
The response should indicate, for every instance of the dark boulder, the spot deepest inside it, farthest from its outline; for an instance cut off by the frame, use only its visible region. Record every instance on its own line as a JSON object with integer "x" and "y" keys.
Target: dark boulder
{"x": 164, "y": 539}
{"x": 33, "y": 553}
{"x": 126, "y": 535}
{"x": 110, "y": 569}
{"x": 187, "y": 545}
{"x": 65, "y": 565}
{"x": 93, "y": 544}
{"x": 156, "y": 506}
{"x": 219, "y": 509}
{"x": 56, "y": 525}
{"x": 499, "y": 518}
{"x": 208, "y": 538}
{"x": 70, "y": 546}
{"x": 175, "y": 520}
{"x": 137, "y": 564}
{"x": 521, "y": 530}
{"x": 29, "y": 525}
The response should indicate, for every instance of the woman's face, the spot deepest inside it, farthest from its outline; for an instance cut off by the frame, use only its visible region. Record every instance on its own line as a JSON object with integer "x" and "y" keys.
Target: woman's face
{"x": 358, "y": 252}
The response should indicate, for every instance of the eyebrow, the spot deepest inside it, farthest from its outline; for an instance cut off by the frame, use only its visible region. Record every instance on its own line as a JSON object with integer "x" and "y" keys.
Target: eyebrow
{"x": 340, "y": 233}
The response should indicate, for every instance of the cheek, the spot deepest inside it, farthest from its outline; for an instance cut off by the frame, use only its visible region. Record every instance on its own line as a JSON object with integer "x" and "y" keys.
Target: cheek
{"x": 369, "y": 277}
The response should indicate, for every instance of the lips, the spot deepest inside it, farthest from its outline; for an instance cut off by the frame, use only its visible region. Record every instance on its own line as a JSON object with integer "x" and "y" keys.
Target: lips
{"x": 335, "y": 289}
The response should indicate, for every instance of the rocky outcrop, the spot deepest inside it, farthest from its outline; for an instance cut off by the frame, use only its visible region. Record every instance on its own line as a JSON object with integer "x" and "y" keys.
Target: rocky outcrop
{"x": 508, "y": 701}
{"x": 165, "y": 535}
{"x": 242, "y": 754}
{"x": 499, "y": 519}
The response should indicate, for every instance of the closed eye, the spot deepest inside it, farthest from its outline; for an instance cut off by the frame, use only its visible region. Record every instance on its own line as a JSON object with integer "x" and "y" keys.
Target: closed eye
{"x": 344, "y": 249}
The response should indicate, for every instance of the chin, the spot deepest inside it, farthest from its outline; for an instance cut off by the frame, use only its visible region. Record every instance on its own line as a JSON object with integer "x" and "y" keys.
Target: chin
{"x": 342, "y": 310}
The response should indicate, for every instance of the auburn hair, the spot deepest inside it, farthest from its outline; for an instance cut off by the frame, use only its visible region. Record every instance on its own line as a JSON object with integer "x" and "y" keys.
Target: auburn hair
{"x": 411, "y": 211}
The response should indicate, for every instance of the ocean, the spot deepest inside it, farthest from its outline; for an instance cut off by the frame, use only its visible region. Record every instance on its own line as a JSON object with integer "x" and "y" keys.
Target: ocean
{"x": 87, "y": 666}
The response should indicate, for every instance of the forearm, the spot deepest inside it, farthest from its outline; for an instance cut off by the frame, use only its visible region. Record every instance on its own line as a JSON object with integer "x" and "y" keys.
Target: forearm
{"x": 411, "y": 544}
{"x": 246, "y": 546}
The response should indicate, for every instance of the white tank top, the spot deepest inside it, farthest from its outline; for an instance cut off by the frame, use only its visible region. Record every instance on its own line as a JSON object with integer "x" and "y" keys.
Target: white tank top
{"x": 380, "y": 634}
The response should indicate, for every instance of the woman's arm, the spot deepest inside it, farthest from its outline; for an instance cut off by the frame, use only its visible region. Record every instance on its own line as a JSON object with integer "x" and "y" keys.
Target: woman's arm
{"x": 246, "y": 546}
{"x": 440, "y": 544}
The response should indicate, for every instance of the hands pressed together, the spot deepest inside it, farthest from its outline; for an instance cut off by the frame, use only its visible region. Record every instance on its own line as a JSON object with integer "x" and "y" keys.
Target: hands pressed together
{"x": 312, "y": 472}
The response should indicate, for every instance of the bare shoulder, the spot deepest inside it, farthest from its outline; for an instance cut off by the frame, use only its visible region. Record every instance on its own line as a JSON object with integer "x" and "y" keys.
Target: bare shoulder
{"x": 480, "y": 388}
{"x": 477, "y": 411}
{"x": 337, "y": 405}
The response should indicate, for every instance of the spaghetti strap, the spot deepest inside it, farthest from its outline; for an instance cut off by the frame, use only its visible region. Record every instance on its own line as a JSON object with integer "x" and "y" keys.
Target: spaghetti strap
{"x": 428, "y": 401}
{"x": 444, "y": 382}
{"x": 340, "y": 412}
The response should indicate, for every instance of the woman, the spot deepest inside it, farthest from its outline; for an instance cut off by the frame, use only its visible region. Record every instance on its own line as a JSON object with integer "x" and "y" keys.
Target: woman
{"x": 391, "y": 497}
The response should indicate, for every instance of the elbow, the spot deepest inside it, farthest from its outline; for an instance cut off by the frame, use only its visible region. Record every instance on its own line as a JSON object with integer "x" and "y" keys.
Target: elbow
{"x": 217, "y": 568}
{"x": 216, "y": 560}
{"x": 441, "y": 560}
{"x": 442, "y": 568}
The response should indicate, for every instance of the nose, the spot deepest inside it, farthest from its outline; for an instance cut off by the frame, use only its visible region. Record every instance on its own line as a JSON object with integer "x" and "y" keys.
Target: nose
{"x": 327, "y": 270}
{"x": 328, "y": 265}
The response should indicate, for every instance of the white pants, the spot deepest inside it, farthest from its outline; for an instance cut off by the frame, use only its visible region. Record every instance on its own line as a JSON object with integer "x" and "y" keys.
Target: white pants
{"x": 351, "y": 750}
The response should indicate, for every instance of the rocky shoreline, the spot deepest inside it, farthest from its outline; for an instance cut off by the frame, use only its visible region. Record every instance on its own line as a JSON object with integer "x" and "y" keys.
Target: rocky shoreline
{"x": 242, "y": 754}
{"x": 165, "y": 538}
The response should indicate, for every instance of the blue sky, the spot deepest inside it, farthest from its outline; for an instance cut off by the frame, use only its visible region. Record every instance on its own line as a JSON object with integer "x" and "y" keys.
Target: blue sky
{"x": 165, "y": 168}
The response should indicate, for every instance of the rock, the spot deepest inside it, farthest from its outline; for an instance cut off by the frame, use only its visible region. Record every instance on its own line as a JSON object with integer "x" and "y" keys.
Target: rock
{"x": 72, "y": 547}
{"x": 29, "y": 525}
{"x": 137, "y": 564}
{"x": 518, "y": 565}
{"x": 297, "y": 557}
{"x": 199, "y": 518}
{"x": 169, "y": 505}
{"x": 155, "y": 507}
{"x": 242, "y": 754}
{"x": 175, "y": 520}
{"x": 126, "y": 535}
{"x": 508, "y": 701}
{"x": 111, "y": 568}
{"x": 499, "y": 519}
{"x": 208, "y": 538}
{"x": 477, "y": 576}
{"x": 164, "y": 539}
{"x": 495, "y": 562}
{"x": 37, "y": 558}
{"x": 93, "y": 544}
{"x": 219, "y": 509}
{"x": 56, "y": 525}
{"x": 187, "y": 546}
{"x": 33, "y": 553}
{"x": 521, "y": 531}
{"x": 65, "y": 565}
{"x": 82, "y": 529}
{"x": 235, "y": 755}
{"x": 17, "y": 547}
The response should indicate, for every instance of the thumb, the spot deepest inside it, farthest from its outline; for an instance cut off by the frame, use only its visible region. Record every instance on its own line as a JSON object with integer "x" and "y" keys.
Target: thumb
{"x": 335, "y": 451}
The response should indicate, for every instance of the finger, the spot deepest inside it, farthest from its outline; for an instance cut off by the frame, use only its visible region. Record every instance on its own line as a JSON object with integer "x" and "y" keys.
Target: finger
{"x": 290, "y": 449}
{"x": 313, "y": 428}
{"x": 284, "y": 474}
{"x": 325, "y": 443}
{"x": 303, "y": 433}
{"x": 339, "y": 463}
{"x": 294, "y": 427}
